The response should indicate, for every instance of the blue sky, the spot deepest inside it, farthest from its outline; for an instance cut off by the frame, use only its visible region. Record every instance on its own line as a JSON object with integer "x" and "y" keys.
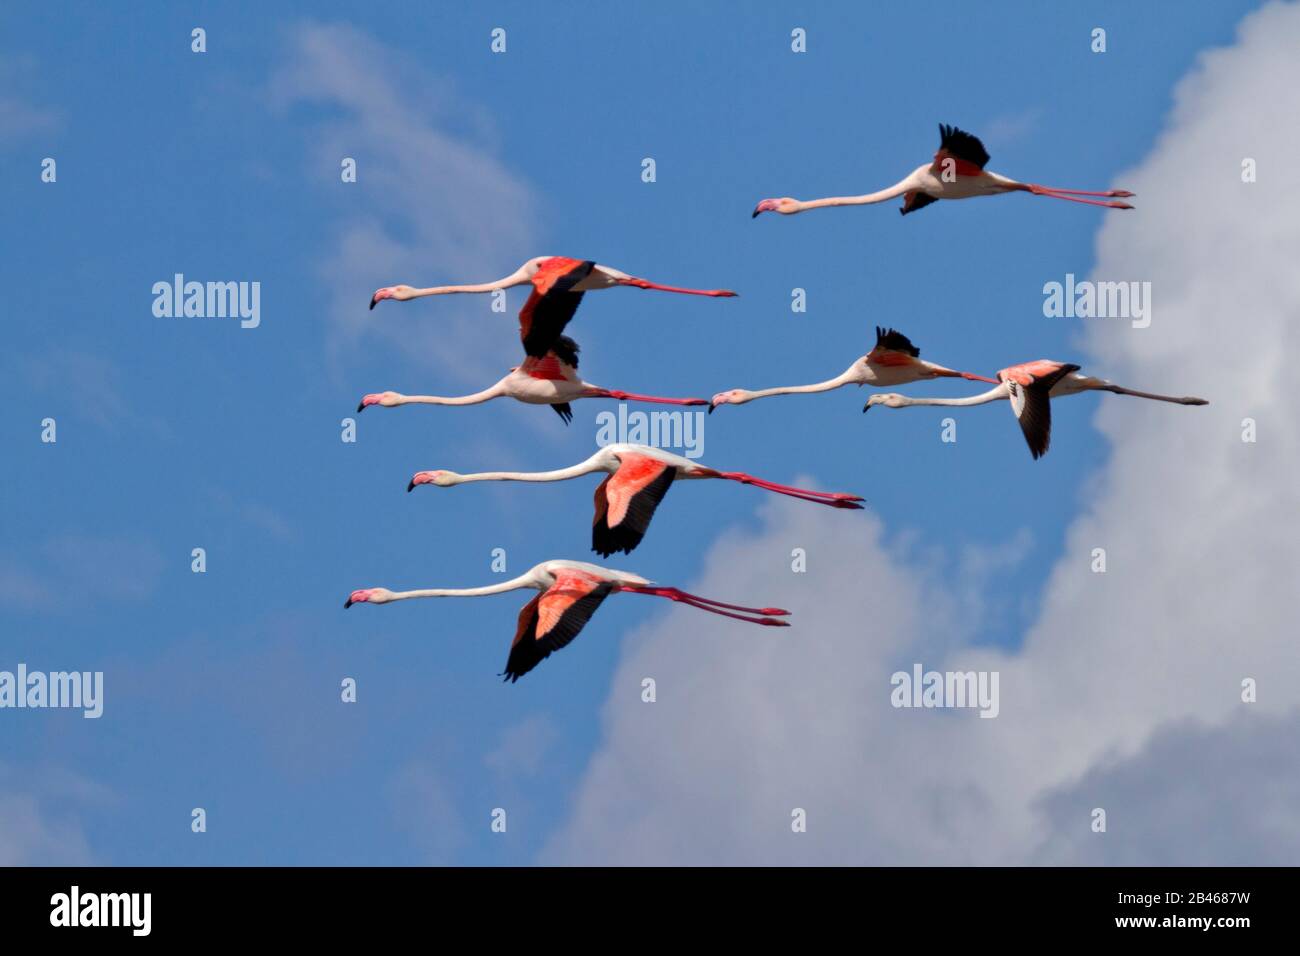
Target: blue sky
{"x": 222, "y": 689}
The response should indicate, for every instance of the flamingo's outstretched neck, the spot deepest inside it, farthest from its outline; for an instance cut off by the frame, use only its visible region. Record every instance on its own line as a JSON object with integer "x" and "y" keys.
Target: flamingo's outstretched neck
{"x": 767, "y": 618}
{"x": 833, "y": 498}
{"x": 1051, "y": 193}
{"x": 631, "y": 397}
{"x": 647, "y": 284}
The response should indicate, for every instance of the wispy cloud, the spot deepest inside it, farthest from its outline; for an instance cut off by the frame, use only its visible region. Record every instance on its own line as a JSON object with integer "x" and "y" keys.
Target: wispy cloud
{"x": 432, "y": 204}
{"x": 82, "y": 385}
{"x": 523, "y": 747}
{"x": 71, "y": 570}
{"x": 39, "y": 825}
{"x": 20, "y": 118}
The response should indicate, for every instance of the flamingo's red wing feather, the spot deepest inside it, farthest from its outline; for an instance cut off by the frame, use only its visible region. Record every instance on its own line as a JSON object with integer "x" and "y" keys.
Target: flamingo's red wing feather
{"x": 626, "y": 501}
{"x": 554, "y": 618}
{"x": 1032, "y": 405}
{"x": 552, "y": 303}
{"x": 527, "y": 621}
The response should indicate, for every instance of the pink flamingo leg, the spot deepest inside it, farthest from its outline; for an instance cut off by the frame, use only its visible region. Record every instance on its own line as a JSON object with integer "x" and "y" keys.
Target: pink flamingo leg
{"x": 647, "y": 284}
{"x": 631, "y": 397}
{"x": 1112, "y": 193}
{"x": 713, "y": 607}
{"x": 833, "y": 498}
{"x": 1041, "y": 191}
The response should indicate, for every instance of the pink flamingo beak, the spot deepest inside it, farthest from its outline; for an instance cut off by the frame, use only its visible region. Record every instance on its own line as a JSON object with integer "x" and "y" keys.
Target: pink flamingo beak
{"x": 367, "y": 401}
{"x": 420, "y": 478}
{"x": 767, "y": 205}
{"x": 357, "y": 597}
{"x": 379, "y": 296}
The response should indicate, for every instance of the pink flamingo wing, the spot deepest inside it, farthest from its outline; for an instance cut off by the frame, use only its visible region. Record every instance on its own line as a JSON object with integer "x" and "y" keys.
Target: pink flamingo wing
{"x": 626, "y": 501}
{"x": 554, "y": 618}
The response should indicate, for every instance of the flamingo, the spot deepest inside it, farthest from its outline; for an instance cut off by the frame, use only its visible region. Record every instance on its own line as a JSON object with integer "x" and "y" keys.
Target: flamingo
{"x": 957, "y": 172}
{"x": 558, "y": 285}
{"x": 552, "y": 380}
{"x": 1029, "y": 387}
{"x": 638, "y": 478}
{"x": 571, "y": 592}
{"x": 893, "y": 361}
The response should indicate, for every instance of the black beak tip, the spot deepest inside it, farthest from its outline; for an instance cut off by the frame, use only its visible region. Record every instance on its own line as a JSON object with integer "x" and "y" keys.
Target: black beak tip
{"x": 361, "y": 407}
{"x": 410, "y": 486}
{"x": 347, "y": 604}
{"x": 754, "y": 214}
{"x": 866, "y": 408}
{"x": 711, "y": 408}
{"x": 373, "y": 302}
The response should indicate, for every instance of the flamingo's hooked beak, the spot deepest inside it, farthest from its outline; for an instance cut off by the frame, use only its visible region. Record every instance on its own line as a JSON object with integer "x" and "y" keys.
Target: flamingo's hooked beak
{"x": 356, "y": 597}
{"x": 420, "y": 478}
{"x": 767, "y": 205}
{"x": 380, "y": 296}
{"x": 367, "y": 401}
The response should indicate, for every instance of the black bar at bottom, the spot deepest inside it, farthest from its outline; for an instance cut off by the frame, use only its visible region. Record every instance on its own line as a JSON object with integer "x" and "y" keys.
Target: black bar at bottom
{"x": 334, "y": 905}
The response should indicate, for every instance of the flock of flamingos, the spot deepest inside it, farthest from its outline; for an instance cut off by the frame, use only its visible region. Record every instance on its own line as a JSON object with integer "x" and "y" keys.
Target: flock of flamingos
{"x": 637, "y": 476}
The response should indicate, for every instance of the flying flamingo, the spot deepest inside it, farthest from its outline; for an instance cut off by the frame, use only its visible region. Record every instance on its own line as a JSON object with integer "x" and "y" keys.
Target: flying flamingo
{"x": 552, "y": 380}
{"x": 893, "y": 361}
{"x": 638, "y": 478}
{"x": 1029, "y": 387}
{"x": 571, "y": 592}
{"x": 957, "y": 172}
{"x": 558, "y": 286}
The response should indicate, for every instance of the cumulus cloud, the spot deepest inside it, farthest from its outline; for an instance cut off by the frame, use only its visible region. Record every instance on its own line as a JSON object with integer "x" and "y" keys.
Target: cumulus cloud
{"x": 432, "y": 205}
{"x": 1122, "y": 675}
{"x": 1193, "y": 796}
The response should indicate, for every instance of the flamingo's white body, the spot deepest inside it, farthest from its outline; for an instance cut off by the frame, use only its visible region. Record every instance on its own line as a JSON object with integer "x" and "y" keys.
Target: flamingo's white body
{"x": 1029, "y": 387}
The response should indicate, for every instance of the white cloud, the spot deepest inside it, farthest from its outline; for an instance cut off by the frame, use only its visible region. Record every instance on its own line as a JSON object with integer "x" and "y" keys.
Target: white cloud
{"x": 1194, "y": 796}
{"x": 432, "y": 204}
{"x": 1122, "y": 669}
